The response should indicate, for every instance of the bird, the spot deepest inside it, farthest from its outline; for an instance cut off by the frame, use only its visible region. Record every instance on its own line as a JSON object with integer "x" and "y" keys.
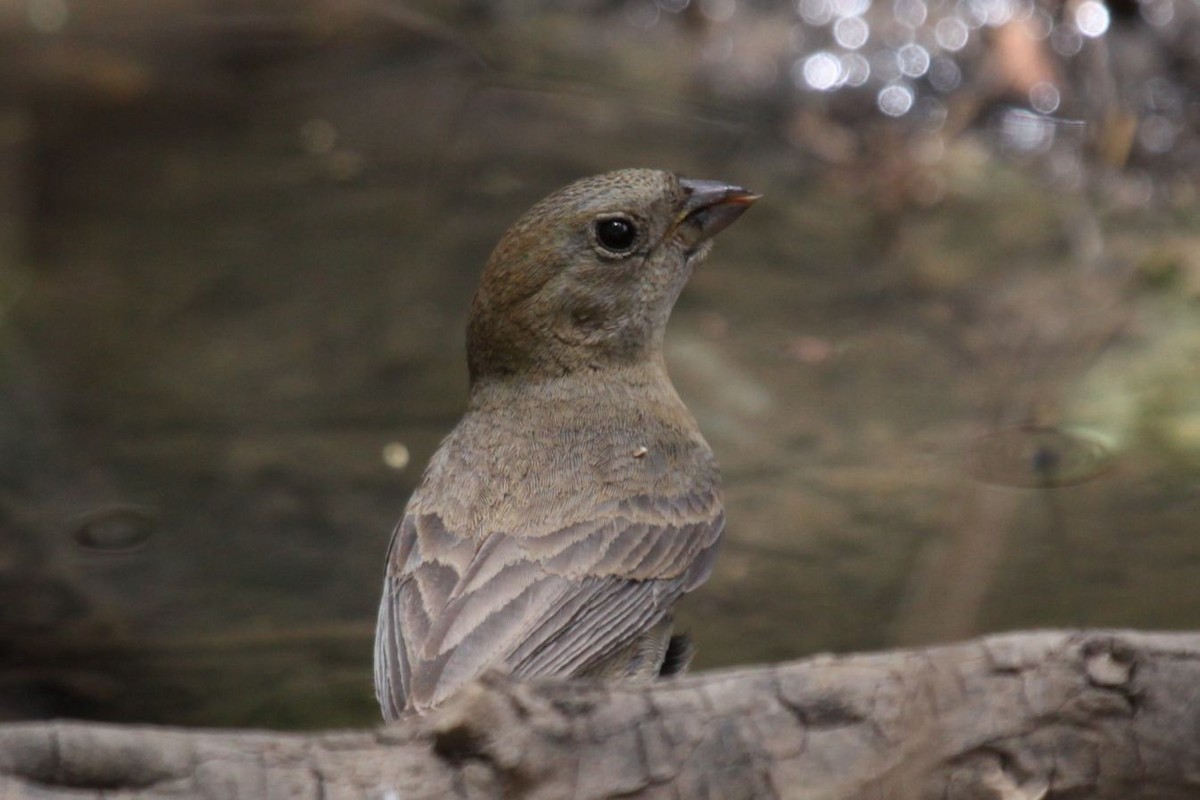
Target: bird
{"x": 556, "y": 526}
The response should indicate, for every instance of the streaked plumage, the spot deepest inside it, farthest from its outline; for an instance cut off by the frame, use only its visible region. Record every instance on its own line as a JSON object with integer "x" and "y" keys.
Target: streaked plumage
{"x": 559, "y": 522}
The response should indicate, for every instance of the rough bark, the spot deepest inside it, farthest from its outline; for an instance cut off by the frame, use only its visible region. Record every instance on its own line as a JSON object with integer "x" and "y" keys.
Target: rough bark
{"x": 1019, "y": 717}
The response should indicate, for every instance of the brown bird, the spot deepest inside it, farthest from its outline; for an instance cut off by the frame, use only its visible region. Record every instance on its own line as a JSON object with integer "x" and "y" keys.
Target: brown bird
{"x": 556, "y": 526}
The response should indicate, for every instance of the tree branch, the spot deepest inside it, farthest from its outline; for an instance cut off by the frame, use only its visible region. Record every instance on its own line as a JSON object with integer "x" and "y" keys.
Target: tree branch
{"x": 1020, "y": 717}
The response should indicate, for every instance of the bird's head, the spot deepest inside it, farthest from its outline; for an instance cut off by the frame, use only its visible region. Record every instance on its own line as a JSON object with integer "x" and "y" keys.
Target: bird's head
{"x": 588, "y": 276}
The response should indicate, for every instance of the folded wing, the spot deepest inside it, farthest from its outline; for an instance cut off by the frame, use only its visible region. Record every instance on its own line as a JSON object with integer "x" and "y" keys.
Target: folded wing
{"x": 556, "y": 604}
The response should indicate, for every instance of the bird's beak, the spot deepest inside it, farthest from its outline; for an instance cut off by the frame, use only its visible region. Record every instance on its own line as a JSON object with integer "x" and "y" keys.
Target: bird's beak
{"x": 710, "y": 207}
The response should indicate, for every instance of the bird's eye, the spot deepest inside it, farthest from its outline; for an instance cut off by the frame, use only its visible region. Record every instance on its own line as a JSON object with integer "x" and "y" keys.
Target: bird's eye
{"x": 616, "y": 234}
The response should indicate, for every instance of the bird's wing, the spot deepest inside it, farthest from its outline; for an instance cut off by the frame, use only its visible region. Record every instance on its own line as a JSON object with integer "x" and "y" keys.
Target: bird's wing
{"x": 538, "y": 605}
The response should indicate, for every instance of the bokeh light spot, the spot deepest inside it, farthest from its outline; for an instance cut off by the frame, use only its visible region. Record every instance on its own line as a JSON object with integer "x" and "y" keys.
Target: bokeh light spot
{"x": 396, "y": 455}
{"x": 951, "y": 33}
{"x": 895, "y": 100}
{"x": 1066, "y": 40}
{"x": 857, "y": 70}
{"x": 642, "y": 14}
{"x": 1157, "y": 133}
{"x": 822, "y": 71}
{"x": 851, "y": 32}
{"x": 914, "y": 60}
{"x": 851, "y": 8}
{"x": 1092, "y": 18}
{"x": 1157, "y": 12}
{"x": 1025, "y": 131}
{"x": 944, "y": 74}
{"x": 815, "y": 12}
{"x": 1044, "y": 97}
{"x": 911, "y": 12}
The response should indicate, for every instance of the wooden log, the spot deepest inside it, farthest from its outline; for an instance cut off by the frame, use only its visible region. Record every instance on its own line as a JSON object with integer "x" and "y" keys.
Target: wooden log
{"x": 1021, "y": 716}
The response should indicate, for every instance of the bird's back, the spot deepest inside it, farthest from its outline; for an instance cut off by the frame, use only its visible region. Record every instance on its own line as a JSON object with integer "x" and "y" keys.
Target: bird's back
{"x": 551, "y": 534}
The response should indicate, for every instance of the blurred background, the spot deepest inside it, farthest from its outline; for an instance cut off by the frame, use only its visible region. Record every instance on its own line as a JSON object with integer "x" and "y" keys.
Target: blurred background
{"x": 950, "y": 363}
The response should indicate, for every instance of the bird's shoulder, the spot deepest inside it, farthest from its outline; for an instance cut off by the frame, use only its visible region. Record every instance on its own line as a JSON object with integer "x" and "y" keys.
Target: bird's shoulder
{"x": 545, "y": 461}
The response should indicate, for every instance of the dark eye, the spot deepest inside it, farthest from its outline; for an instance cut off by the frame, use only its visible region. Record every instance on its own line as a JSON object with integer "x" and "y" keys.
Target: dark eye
{"x": 616, "y": 234}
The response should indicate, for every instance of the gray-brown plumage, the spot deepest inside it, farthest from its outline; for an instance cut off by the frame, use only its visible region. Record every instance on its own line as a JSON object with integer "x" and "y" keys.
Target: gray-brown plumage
{"x": 559, "y": 522}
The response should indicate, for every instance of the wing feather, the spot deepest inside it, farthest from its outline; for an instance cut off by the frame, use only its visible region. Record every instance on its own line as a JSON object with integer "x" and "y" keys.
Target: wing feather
{"x": 555, "y": 604}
